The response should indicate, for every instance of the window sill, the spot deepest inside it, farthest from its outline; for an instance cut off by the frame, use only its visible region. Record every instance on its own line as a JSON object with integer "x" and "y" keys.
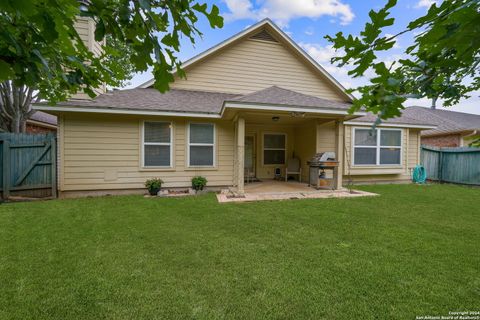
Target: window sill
{"x": 380, "y": 166}
{"x": 154, "y": 169}
{"x": 376, "y": 170}
{"x": 201, "y": 169}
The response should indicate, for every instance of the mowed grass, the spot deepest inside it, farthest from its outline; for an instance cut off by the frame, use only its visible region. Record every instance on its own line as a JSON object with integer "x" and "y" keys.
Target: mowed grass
{"x": 414, "y": 250}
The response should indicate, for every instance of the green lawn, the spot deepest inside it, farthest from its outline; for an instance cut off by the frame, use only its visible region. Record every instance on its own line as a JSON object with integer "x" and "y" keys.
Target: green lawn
{"x": 414, "y": 250}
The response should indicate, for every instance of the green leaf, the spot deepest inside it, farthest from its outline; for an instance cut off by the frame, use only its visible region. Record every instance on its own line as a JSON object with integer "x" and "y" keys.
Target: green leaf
{"x": 99, "y": 31}
{"x": 6, "y": 71}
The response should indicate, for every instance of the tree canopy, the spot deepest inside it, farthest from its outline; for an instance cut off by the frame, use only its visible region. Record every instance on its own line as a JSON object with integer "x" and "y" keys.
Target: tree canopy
{"x": 40, "y": 48}
{"x": 442, "y": 63}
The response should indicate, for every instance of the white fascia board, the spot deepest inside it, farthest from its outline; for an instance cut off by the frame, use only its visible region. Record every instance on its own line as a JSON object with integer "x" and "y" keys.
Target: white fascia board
{"x": 393, "y": 125}
{"x": 126, "y": 111}
{"x": 42, "y": 124}
{"x": 234, "y": 105}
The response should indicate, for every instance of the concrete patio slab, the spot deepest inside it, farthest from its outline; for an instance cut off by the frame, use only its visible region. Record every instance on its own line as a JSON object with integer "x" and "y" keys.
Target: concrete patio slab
{"x": 278, "y": 190}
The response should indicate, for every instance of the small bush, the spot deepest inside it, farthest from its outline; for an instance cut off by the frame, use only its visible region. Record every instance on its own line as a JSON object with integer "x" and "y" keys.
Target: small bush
{"x": 198, "y": 183}
{"x": 153, "y": 185}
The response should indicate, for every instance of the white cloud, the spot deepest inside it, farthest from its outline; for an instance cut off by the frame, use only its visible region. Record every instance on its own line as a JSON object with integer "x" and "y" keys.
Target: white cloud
{"x": 323, "y": 55}
{"x": 282, "y": 11}
{"x": 425, "y": 3}
{"x": 239, "y": 9}
{"x": 309, "y": 31}
{"x": 469, "y": 105}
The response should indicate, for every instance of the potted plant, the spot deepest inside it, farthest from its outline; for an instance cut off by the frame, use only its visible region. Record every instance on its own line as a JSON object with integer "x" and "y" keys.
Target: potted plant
{"x": 198, "y": 183}
{"x": 153, "y": 185}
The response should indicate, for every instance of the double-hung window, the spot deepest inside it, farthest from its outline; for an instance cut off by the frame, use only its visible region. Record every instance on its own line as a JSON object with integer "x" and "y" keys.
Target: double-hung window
{"x": 274, "y": 147}
{"x": 157, "y": 144}
{"x": 377, "y": 147}
{"x": 201, "y": 145}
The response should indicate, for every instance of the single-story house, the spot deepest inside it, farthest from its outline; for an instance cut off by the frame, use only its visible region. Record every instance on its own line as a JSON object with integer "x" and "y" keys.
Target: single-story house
{"x": 453, "y": 129}
{"x": 249, "y": 106}
{"x": 41, "y": 122}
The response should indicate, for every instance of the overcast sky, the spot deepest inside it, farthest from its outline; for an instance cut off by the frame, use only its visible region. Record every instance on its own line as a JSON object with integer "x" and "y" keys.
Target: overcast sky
{"x": 307, "y": 22}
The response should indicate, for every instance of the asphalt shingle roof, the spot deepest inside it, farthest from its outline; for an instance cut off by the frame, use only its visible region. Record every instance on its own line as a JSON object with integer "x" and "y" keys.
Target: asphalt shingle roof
{"x": 405, "y": 118}
{"x": 280, "y": 96}
{"x": 179, "y": 100}
{"x": 44, "y": 117}
{"x": 446, "y": 121}
{"x": 150, "y": 99}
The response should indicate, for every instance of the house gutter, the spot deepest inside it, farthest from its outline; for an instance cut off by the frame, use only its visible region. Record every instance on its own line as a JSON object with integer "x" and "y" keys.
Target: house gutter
{"x": 393, "y": 125}
{"x": 226, "y": 105}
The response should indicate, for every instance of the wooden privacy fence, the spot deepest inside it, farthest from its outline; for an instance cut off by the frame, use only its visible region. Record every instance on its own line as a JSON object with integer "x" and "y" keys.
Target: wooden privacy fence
{"x": 456, "y": 165}
{"x": 28, "y": 165}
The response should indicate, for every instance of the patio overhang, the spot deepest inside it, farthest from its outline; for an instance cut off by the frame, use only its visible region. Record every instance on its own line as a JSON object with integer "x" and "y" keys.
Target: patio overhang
{"x": 312, "y": 111}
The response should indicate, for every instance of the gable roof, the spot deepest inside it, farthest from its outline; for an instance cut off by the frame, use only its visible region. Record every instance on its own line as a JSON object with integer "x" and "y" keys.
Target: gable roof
{"x": 175, "y": 101}
{"x": 446, "y": 122}
{"x": 275, "y": 95}
{"x": 277, "y": 33}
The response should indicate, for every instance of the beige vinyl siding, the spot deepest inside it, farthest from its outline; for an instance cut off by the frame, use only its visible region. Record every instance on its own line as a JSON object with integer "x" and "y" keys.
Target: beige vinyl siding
{"x": 326, "y": 140}
{"x": 380, "y": 174}
{"x": 326, "y": 137}
{"x": 86, "y": 29}
{"x": 413, "y": 148}
{"x": 82, "y": 27}
{"x": 252, "y": 65}
{"x": 104, "y": 152}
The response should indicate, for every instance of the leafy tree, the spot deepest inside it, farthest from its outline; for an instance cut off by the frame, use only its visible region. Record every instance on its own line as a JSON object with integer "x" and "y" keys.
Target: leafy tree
{"x": 15, "y": 102}
{"x": 41, "y": 51}
{"x": 442, "y": 63}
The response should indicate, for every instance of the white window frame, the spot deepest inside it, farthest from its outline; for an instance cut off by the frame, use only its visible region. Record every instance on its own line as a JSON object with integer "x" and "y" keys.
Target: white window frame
{"x": 170, "y": 144}
{"x": 284, "y": 149}
{"x": 378, "y": 147}
{"x": 213, "y": 145}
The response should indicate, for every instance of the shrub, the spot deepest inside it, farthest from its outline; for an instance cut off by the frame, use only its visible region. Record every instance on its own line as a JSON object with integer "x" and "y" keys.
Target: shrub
{"x": 198, "y": 183}
{"x": 153, "y": 185}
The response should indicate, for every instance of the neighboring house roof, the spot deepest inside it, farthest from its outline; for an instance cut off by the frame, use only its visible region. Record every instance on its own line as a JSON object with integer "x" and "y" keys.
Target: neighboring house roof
{"x": 190, "y": 101}
{"x": 40, "y": 118}
{"x": 446, "y": 122}
{"x": 277, "y": 33}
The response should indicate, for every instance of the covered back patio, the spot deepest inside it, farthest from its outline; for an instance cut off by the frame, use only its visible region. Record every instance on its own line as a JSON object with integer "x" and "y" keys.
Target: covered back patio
{"x": 272, "y": 150}
{"x": 278, "y": 129}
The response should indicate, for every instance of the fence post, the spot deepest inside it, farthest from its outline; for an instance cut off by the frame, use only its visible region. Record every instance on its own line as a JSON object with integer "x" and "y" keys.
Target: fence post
{"x": 53, "y": 152}
{"x": 6, "y": 169}
{"x": 440, "y": 165}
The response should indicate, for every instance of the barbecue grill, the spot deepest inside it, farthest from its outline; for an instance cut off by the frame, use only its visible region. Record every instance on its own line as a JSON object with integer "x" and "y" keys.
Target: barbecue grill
{"x": 322, "y": 161}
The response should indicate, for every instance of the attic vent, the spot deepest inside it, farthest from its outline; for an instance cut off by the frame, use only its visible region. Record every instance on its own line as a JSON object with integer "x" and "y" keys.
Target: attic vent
{"x": 263, "y": 35}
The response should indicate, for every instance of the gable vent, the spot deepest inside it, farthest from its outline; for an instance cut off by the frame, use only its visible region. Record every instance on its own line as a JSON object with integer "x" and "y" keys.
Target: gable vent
{"x": 264, "y": 36}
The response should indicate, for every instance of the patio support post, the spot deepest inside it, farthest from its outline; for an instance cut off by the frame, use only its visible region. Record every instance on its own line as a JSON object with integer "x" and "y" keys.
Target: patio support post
{"x": 339, "y": 146}
{"x": 240, "y": 155}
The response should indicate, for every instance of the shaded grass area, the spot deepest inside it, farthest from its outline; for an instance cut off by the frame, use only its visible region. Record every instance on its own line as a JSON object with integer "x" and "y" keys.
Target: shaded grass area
{"x": 414, "y": 250}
